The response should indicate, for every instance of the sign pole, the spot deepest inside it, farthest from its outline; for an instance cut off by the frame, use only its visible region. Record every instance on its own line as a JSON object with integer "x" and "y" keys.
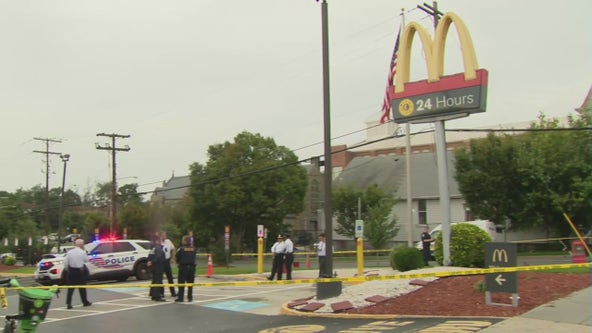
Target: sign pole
{"x": 443, "y": 189}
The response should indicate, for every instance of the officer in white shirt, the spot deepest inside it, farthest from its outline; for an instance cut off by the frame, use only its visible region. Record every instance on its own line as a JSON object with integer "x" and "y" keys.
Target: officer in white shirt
{"x": 321, "y": 247}
{"x": 289, "y": 256}
{"x": 75, "y": 261}
{"x": 277, "y": 266}
{"x": 169, "y": 253}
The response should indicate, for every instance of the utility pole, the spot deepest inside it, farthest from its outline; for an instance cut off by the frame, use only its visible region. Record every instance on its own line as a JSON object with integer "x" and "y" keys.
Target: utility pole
{"x": 433, "y": 11}
{"x": 46, "y": 152}
{"x": 112, "y": 147}
{"x": 327, "y": 289}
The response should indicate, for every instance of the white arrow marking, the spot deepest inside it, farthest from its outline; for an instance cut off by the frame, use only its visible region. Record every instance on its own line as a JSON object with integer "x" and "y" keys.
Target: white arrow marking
{"x": 500, "y": 280}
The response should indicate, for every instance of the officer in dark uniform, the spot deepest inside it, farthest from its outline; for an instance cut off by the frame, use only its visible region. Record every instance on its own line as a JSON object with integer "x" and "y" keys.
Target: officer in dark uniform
{"x": 156, "y": 264}
{"x": 426, "y": 241}
{"x": 186, "y": 262}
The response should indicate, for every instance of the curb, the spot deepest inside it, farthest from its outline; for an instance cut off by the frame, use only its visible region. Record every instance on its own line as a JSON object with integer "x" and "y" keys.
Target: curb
{"x": 16, "y": 275}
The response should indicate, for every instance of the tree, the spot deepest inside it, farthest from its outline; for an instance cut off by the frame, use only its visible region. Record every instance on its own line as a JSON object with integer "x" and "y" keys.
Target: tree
{"x": 242, "y": 183}
{"x": 376, "y": 206}
{"x": 102, "y": 194}
{"x": 530, "y": 180}
{"x": 34, "y": 200}
{"x": 95, "y": 220}
{"x": 379, "y": 226}
{"x": 13, "y": 216}
{"x": 128, "y": 194}
{"x": 134, "y": 216}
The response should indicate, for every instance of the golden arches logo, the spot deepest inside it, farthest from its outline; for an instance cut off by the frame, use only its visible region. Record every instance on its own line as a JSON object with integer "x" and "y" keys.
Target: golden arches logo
{"x": 439, "y": 96}
{"x": 499, "y": 256}
{"x": 434, "y": 50}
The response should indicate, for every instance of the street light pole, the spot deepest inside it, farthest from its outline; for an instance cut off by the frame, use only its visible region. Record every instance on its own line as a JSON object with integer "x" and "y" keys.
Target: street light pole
{"x": 65, "y": 158}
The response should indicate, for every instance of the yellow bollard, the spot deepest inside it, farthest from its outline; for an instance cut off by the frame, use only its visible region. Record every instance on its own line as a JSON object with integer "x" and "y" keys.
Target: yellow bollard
{"x": 260, "y": 255}
{"x": 360, "y": 253}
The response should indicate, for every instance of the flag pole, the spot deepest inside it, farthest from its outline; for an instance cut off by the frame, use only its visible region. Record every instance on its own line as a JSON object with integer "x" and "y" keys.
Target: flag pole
{"x": 410, "y": 230}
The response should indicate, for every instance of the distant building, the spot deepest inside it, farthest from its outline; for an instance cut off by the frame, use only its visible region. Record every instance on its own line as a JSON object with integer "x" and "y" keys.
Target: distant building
{"x": 172, "y": 191}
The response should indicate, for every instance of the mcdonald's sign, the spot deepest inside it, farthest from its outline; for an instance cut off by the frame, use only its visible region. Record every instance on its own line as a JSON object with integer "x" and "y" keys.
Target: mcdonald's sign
{"x": 439, "y": 95}
{"x": 499, "y": 256}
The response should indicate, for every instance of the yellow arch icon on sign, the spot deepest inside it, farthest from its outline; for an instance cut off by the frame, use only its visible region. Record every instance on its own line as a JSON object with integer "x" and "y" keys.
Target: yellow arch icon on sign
{"x": 434, "y": 50}
{"x": 499, "y": 256}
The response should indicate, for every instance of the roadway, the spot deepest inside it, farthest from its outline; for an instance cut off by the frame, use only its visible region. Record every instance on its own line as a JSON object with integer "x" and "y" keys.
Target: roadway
{"x": 222, "y": 309}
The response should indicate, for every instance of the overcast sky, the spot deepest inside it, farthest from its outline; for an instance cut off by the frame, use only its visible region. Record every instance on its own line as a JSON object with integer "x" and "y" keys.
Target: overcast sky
{"x": 181, "y": 75}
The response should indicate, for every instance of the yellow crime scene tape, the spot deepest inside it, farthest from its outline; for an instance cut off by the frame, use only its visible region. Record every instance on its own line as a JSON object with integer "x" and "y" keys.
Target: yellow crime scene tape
{"x": 478, "y": 271}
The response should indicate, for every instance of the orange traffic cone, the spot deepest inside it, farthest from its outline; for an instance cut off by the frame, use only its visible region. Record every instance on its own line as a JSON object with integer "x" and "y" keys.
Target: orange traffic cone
{"x": 210, "y": 265}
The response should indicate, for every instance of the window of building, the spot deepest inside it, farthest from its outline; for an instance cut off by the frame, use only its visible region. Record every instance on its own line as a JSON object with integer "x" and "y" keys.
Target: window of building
{"x": 422, "y": 211}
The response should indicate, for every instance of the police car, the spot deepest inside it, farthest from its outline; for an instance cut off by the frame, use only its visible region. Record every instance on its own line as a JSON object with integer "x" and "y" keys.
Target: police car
{"x": 108, "y": 260}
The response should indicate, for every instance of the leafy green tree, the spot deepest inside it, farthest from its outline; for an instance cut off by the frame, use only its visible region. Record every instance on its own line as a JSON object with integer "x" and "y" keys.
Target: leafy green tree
{"x": 45, "y": 215}
{"x": 128, "y": 194}
{"x": 102, "y": 194}
{"x": 379, "y": 227}
{"x": 35, "y": 201}
{"x": 134, "y": 217}
{"x": 531, "y": 179}
{"x": 95, "y": 220}
{"x": 376, "y": 206}
{"x": 242, "y": 183}
{"x": 13, "y": 216}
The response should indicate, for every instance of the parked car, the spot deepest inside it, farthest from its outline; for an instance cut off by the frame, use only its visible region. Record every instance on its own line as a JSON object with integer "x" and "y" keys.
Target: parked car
{"x": 108, "y": 260}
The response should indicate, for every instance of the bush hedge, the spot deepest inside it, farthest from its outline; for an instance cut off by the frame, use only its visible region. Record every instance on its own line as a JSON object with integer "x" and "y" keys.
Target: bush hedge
{"x": 9, "y": 260}
{"x": 406, "y": 258}
{"x": 467, "y": 246}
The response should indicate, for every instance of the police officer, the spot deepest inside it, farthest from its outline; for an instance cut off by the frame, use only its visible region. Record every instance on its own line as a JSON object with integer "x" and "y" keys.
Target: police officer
{"x": 169, "y": 249}
{"x": 426, "y": 242}
{"x": 186, "y": 262}
{"x": 277, "y": 250}
{"x": 77, "y": 272}
{"x": 289, "y": 256}
{"x": 156, "y": 264}
{"x": 321, "y": 247}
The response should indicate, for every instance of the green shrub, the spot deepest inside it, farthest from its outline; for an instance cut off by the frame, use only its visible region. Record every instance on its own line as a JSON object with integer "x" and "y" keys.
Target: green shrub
{"x": 467, "y": 246}
{"x": 406, "y": 258}
{"x": 9, "y": 260}
{"x": 479, "y": 287}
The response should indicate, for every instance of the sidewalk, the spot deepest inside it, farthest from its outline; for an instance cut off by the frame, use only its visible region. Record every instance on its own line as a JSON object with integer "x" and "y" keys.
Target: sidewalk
{"x": 571, "y": 314}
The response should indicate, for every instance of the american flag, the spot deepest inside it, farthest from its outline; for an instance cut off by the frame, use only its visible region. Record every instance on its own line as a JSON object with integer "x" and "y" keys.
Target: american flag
{"x": 386, "y": 101}
{"x": 97, "y": 261}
